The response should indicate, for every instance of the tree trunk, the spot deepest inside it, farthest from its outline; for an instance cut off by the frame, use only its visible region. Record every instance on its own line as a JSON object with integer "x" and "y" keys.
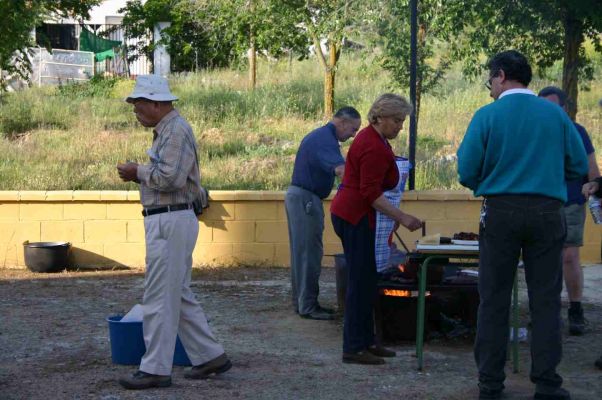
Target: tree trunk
{"x": 252, "y": 63}
{"x": 573, "y": 38}
{"x": 329, "y": 76}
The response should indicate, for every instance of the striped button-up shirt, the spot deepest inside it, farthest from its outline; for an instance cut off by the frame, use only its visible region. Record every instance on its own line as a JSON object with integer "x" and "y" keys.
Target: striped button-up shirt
{"x": 172, "y": 176}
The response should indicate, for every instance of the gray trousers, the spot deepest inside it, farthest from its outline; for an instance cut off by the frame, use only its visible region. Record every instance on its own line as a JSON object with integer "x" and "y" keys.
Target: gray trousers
{"x": 535, "y": 227}
{"x": 169, "y": 306}
{"x": 305, "y": 226}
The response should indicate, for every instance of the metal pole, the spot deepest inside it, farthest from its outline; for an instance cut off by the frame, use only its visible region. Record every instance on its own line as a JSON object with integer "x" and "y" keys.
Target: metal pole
{"x": 421, "y": 311}
{"x": 40, "y": 68}
{"x": 413, "y": 63}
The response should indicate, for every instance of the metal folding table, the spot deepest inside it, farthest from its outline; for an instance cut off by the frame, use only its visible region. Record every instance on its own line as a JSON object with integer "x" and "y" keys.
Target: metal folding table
{"x": 467, "y": 258}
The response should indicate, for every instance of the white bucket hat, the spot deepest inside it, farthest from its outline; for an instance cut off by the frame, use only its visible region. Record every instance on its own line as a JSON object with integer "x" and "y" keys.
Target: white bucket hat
{"x": 151, "y": 87}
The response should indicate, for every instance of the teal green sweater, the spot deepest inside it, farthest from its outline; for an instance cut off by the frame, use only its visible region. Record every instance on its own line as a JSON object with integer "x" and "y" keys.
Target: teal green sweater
{"x": 521, "y": 144}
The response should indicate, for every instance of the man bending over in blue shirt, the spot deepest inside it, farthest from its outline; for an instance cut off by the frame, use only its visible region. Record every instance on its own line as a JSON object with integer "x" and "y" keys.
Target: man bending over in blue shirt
{"x": 317, "y": 163}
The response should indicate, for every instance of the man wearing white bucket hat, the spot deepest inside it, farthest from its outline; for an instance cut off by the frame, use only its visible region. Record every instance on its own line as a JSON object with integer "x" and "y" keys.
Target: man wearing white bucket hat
{"x": 169, "y": 184}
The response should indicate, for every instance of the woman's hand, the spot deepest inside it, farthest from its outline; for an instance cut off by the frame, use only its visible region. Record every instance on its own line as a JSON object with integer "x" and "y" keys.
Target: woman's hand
{"x": 410, "y": 222}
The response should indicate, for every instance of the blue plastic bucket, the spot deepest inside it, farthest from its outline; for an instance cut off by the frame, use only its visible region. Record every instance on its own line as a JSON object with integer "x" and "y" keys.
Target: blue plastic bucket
{"x": 127, "y": 343}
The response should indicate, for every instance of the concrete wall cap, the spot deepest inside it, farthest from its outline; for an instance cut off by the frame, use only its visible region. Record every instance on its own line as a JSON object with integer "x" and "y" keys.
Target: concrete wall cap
{"x": 32, "y": 195}
{"x": 216, "y": 195}
{"x": 9, "y": 195}
{"x": 86, "y": 195}
{"x": 445, "y": 195}
{"x": 59, "y": 195}
{"x": 114, "y": 195}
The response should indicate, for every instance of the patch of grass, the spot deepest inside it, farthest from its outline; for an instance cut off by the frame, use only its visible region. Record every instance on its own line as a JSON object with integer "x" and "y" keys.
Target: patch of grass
{"x": 71, "y": 137}
{"x": 97, "y": 86}
{"x": 16, "y": 118}
{"x": 228, "y": 149}
{"x": 29, "y": 111}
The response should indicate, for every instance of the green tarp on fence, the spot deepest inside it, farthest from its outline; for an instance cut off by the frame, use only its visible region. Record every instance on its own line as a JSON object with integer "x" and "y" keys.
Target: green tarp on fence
{"x": 101, "y": 47}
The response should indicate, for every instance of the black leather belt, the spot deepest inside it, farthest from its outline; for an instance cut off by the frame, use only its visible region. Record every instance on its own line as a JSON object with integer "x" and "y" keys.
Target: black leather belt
{"x": 159, "y": 210}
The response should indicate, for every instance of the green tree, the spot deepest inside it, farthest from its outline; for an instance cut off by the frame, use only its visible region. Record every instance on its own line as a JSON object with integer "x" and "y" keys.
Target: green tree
{"x": 546, "y": 31}
{"x": 18, "y": 20}
{"x": 190, "y": 41}
{"x": 330, "y": 20}
{"x": 213, "y": 33}
{"x": 393, "y": 27}
{"x": 267, "y": 27}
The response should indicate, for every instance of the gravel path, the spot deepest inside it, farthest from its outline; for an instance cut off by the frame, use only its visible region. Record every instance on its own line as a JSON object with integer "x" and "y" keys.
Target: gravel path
{"x": 54, "y": 343}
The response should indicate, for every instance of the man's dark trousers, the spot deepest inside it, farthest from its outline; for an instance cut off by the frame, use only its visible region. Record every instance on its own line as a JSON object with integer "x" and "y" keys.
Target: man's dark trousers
{"x": 535, "y": 226}
{"x": 362, "y": 278}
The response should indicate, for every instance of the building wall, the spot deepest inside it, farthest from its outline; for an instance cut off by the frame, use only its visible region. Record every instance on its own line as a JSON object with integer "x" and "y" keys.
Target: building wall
{"x": 105, "y": 16}
{"x": 241, "y": 227}
{"x": 98, "y": 14}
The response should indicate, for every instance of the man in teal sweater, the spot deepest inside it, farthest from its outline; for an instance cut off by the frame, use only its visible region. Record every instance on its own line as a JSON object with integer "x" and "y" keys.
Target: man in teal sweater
{"x": 517, "y": 153}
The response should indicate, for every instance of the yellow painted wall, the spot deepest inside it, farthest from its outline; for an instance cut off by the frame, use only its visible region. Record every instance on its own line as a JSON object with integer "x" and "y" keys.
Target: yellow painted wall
{"x": 241, "y": 227}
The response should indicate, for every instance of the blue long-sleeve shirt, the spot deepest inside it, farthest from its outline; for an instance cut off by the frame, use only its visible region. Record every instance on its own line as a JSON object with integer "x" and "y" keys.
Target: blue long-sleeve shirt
{"x": 318, "y": 156}
{"x": 521, "y": 144}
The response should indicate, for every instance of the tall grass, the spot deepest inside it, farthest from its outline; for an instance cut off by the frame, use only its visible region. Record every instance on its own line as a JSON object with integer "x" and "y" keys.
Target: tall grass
{"x": 73, "y": 136}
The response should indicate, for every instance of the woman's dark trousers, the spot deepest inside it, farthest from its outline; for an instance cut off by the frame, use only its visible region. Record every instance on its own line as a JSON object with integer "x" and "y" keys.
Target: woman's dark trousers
{"x": 358, "y": 244}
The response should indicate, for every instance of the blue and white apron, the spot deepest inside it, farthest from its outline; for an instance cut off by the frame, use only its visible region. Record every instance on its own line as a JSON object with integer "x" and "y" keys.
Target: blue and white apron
{"x": 384, "y": 224}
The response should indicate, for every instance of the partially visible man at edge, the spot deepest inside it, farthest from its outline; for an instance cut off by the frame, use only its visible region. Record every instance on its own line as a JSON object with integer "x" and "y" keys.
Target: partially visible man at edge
{"x": 317, "y": 163}
{"x": 574, "y": 210}
{"x": 594, "y": 188}
{"x": 169, "y": 184}
{"x": 518, "y": 152}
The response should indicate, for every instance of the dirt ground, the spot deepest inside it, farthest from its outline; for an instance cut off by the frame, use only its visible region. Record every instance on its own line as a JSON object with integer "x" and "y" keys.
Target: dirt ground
{"x": 54, "y": 343}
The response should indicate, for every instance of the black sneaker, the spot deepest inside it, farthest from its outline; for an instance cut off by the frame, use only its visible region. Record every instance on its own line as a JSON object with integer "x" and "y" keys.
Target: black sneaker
{"x": 490, "y": 391}
{"x": 551, "y": 394}
{"x": 576, "y": 322}
{"x": 486, "y": 392}
{"x": 362, "y": 357}
{"x": 142, "y": 380}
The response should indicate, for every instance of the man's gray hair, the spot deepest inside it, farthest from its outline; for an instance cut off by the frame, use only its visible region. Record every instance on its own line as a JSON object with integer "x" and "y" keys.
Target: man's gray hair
{"x": 347, "y": 113}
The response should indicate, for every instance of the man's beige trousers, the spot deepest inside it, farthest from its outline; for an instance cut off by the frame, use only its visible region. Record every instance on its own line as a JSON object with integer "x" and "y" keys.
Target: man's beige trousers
{"x": 169, "y": 306}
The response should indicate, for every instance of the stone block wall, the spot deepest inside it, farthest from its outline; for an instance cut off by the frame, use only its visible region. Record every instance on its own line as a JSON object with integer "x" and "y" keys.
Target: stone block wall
{"x": 241, "y": 227}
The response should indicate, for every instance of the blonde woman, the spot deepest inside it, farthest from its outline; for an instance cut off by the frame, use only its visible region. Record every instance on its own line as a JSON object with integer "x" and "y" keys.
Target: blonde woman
{"x": 370, "y": 170}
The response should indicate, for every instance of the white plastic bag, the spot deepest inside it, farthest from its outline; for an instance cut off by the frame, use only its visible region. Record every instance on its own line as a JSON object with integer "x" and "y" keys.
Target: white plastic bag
{"x": 134, "y": 315}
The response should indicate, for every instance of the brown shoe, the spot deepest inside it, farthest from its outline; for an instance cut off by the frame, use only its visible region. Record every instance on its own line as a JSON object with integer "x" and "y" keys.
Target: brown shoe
{"x": 380, "y": 351}
{"x": 142, "y": 380}
{"x": 362, "y": 357}
{"x": 218, "y": 365}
